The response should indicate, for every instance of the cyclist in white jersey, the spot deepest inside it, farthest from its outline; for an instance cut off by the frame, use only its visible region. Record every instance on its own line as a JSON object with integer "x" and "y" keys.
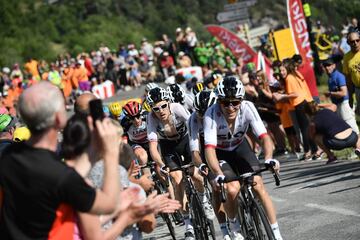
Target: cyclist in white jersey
{"x": 225, "y": 127}
{"x": 135, "y": 129}
{"x": 167, "y": 126}
{"x": 178, "y": 95}
{"x": 203, "y": 100}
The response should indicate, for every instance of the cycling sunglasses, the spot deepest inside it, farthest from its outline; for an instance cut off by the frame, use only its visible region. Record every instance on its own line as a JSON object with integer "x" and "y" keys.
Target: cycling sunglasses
{"x": 136, "y": 116}
{"x": 228, "y": 103}
{"x": 157, "y": 109}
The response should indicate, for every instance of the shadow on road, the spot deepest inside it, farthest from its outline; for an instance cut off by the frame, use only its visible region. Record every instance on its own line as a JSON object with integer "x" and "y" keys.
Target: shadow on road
{"x": 315, "y": 173}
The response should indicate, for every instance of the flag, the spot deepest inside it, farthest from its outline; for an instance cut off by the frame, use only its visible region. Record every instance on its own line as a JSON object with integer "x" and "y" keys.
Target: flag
{"x": 298, "y": 26}
{"x": 239, "y": 48}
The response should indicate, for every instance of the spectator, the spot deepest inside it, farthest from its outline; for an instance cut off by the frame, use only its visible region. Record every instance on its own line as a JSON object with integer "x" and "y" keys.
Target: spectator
{"x": 184, "y": 60}
{"x": 351, "y": 68}
{"x": 61, "y": 188}
{"x": 77, "y": 137}
{"x": 339, "y": 94}
{"x": 31, "y": 67}
{"x": 167, "y": 65}
{"x": 7, "y": 128}
{"x": 169, "y": 46}
{"x": 80, "y": 77}
{"x": 181, "y": 40}
{"x": 298, "y": 94}
{"x": 191, "y": 41}
{"x": 330, "y": 131}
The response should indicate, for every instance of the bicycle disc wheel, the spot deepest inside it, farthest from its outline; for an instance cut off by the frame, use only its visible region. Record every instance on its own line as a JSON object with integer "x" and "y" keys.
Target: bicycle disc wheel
{"x": 169, "y": 224}
{"x": 262, "y": 224}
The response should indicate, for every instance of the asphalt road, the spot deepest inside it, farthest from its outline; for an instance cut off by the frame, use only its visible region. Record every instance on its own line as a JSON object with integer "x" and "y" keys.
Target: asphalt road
{"x": 314, "y": 202}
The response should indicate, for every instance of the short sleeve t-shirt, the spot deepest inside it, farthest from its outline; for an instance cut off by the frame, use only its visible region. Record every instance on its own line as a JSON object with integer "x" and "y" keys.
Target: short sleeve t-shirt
{"x": 351, "y": 66}
{"x": 335, "y": 82}
{"x": 295, "y": 84}
{"x": 328, "y": 123}
{"x": 35, "y": 185}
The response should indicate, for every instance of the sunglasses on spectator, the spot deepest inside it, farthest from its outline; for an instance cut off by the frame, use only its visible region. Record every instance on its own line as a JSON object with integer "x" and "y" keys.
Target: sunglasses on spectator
{"x": 136, "y": 116}
{"x": 157, "y": 109}
{"x": 228, "y": 103}
{"x": 354, "y": 41}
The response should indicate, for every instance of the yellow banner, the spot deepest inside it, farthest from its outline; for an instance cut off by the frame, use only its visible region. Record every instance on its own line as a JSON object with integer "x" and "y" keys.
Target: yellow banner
{"x": 284, "y": 43}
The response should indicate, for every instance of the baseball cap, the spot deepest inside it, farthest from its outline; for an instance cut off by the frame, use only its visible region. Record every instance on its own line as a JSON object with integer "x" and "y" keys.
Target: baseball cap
{"x": 328, "y": 62}
{"x": 6, "y": 122}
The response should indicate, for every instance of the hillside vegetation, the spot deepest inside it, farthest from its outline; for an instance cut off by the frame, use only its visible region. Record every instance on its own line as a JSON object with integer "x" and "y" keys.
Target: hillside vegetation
{"x": 35, "y": 28}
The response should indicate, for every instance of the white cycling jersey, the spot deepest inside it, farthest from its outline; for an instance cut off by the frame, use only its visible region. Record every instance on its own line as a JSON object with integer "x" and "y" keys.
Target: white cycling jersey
{"x": 138, "y": 134}
{"x": 217, "y": 133}
{"x": 177, "y": 128}
{"x": 196, "y": 130}
{"x": 189, "y": 103}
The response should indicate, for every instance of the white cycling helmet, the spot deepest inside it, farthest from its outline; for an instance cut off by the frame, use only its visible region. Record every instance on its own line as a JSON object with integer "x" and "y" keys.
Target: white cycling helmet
{"x": 204, "y": 100}
{"x": 177, "y": 93}
{"x": 156, "y": 95}
{"x": 150, "y": 86}
{"x": 230, "y": 87}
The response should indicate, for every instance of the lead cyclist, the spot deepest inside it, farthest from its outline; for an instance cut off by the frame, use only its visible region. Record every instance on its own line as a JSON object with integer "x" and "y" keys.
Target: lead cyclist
{"x": 225, "y": 127}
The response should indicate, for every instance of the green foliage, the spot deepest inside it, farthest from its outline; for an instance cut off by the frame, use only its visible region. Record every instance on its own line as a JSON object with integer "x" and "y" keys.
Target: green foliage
{"x": 34, "y": 28}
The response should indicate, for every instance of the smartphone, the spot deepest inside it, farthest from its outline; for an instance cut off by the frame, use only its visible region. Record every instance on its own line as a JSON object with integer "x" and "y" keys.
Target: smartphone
{"x": 96, "y": 110}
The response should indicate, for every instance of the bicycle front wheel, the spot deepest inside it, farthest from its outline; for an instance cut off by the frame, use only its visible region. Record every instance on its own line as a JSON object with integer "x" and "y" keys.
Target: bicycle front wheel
{"x": 262, "y": 225}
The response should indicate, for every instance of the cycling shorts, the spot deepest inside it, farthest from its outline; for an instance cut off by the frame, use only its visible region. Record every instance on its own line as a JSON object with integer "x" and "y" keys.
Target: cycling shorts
{"x": 241, "y": 160}
{"x": 172, "y": 150}
{"x": 145, "y": 146}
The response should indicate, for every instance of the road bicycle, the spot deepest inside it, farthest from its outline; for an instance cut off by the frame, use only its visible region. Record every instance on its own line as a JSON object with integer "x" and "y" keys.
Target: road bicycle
{"x": 254, "y": 222}
{"x": 203, "y": 227}
{"x": 161, "y": 188}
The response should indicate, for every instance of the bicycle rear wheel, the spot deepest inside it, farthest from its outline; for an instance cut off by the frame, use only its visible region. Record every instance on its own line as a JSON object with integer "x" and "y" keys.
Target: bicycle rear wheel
{"x": 262, "y": 224}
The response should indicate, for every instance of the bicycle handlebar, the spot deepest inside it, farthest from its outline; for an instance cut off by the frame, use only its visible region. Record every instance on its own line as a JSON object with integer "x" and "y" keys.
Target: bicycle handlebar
{"x": 245, "y": 176}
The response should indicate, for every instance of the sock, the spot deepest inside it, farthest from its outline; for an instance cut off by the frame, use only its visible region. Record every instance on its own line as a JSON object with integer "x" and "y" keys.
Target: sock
{"x": 203, "y": 197}
{"x": 234, "y": 225}
{"x": 224, "y": 229}
{"x": 276, "y": 230}
{"x": 188, "y": 224}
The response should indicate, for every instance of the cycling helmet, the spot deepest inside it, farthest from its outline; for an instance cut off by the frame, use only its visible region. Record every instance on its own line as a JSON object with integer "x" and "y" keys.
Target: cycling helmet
{"x": 177, "y": 93}
{"x": 204, "y": 100}
{"x": 21, "y": 134}
{"x": 132, "y": 109}
{"x": 146, "y": 106}
{"x": 230, "y": 87}
{"x": 115, "y": 109}
{"x": 156, "y": 95}
{"x": 198, "y": 88}
{"x": 150, "y": 86}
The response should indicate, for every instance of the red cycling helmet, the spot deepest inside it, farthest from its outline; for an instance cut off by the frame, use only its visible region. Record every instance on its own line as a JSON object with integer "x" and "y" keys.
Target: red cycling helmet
{"x": 132, "y": 109}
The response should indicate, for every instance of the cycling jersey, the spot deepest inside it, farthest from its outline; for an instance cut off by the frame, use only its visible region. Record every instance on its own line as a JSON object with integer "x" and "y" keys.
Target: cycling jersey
{"x": 196, "y": 132}
{"x": 137, "y": 135}
{"x": 156, "y": 129}
{"x": 217, "y": 133}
